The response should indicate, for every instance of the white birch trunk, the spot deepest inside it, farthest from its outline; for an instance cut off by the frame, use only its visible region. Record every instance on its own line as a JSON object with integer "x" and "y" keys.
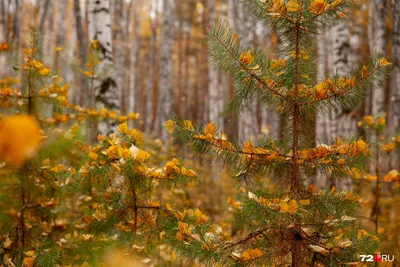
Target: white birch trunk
{"x": 215, "y": 91}
{"x": 107, "y": 94}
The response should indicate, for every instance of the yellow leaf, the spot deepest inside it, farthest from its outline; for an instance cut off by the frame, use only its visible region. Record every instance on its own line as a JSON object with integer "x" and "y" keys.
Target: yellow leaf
{"x": 28, "y": 262}
{"x": 169, "y": 126}
{"x": 85, "y": 264}
{"x": 284, "y": 207}
{"x": 123, "y": 128}
{"x": 29, "y": 253}
{"x": 93, "y": 155}
{"x": 364, "y": 72}
{"x": 361, "y": 233}
{"x": 361, "y": 145}
{"x": 319, "y": 249}
{"x": 168, "y": 207}
{"x": 44, "y": 71}
{"x": 210, "y": 129}
{"x": 317, "y": 7}
{"x": 381, "y": 230}
{"x": 142, "y": 156}
{"x": 248, "y": 147}
{"x": 251, "y": 254}
{"x": 7, "y": 242}
{"x": 292, "y": 206}
{"x": 368, "y": 120}
{"x": 383, "y": 62}
{"x": 293, "y": 6}
{"x": 20, "y": 137}
{"x": 4, "y": 46}
{"x": 305, "y": 202}
{"x": 188, "y": 125}
{"x": 246, "y": 58}
{"x": 335, "y": 3}
{"x": 320, "y": 91}
{"x": 235, "y": 38}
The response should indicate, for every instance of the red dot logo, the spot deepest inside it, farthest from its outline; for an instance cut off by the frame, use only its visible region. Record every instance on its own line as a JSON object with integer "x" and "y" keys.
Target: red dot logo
{"x": 377, "y": 257}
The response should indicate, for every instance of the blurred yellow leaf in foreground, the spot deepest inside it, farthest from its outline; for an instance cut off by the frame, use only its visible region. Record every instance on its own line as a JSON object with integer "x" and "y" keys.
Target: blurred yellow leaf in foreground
{"x": 20, "y": 137}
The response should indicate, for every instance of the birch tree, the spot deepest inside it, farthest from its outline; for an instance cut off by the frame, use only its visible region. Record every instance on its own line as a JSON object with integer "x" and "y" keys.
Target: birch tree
{"x": 106, "y": 92}
{"x": 216, "y": 96}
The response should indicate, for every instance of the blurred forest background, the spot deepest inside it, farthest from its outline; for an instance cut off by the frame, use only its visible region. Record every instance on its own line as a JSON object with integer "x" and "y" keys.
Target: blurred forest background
{"x": 161, "y": 64}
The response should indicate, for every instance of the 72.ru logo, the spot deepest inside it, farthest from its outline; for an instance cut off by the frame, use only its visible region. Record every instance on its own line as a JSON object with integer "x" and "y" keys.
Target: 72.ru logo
{"x": 377, "y": 257}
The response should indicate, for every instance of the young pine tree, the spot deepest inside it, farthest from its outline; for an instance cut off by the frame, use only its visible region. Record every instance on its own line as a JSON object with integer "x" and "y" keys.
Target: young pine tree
{"x": 291, "y": 224}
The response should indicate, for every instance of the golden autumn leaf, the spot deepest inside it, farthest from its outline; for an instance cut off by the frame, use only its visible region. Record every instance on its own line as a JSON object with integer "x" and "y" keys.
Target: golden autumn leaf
{"x": 235, "y": 38}
{"x": 4, "y": 46}
{"x": 29, "y": 253}
{"x": 246, "y": 58}
{"x": 320, "y": 91}
{"x": 364, "y": 72}
{"x": 248, "y": 147}
{"x": 123, "y": 128}
{"x": 142, "y": 156}
{"x": 169, "y": 126}
{"x": 7, "y": 242}
{"x": 188, "y": 125}
{"x": 20, "y": 137}
{"x": 335, "y": 3}
{"x": 293, "y": 6}
{"x": 361, "y": 233}
{"x": 292, "y": 206}
{"x": 317, "y": 7}
{"x": 44, "y": 71}
{"x": 368, "y": 120}
{"x": 93, "y": 156}
{"x": 252, "y": 254}
{"x": 383, "y": 62}
{"x": 28, "y": 262}
{"x": 210, "y": 129}
{"x": 284, "y": 207}
{"x": 305, "y": 202}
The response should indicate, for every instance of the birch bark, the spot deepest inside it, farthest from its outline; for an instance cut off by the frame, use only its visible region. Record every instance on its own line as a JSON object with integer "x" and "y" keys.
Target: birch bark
{"x": 107, "y": 94}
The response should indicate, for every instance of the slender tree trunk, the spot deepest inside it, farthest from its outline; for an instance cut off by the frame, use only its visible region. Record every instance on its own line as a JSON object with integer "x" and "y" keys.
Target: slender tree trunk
{"x": 150, "y": 79}
{"x": 376, "y": 38}
{"x": 244, "y": 26}
{"x": 84, "y": 92}
{"x": 167, "y": 33}
{"x": 394, "y": 111}
{"x": 134, "y": 57}
{"x": 107, "y": 94}
{"x": 216, "y": 96}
